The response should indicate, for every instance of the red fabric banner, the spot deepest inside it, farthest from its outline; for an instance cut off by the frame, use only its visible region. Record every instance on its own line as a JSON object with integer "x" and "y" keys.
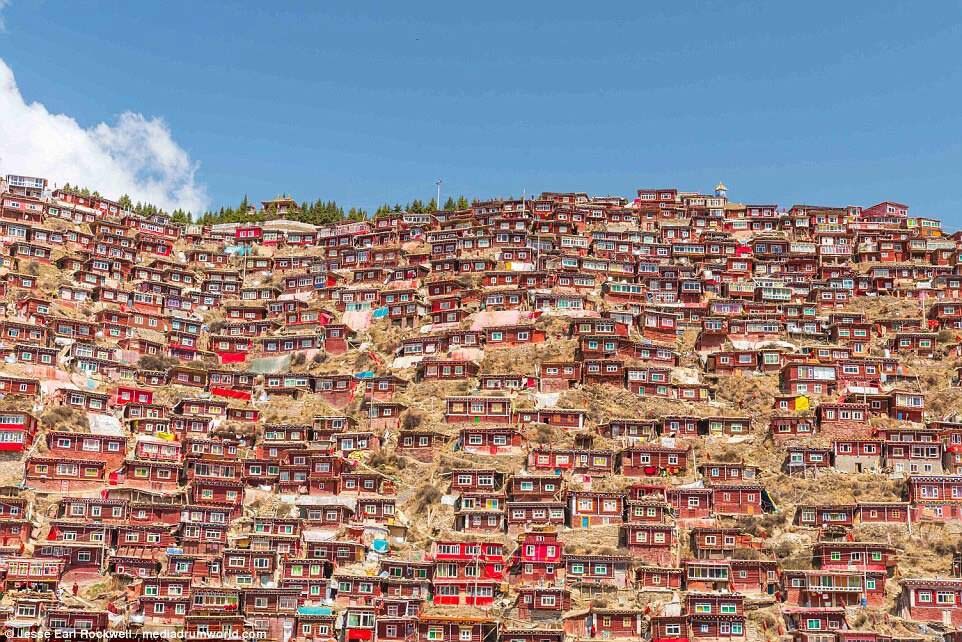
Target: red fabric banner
{"x": 232, "y": 357}
{"x": 233, "y": 394}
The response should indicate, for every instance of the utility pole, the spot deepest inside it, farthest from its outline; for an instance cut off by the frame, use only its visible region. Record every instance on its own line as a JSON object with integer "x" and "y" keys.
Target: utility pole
{"x": 437, "y": 203}
{"x": 477, "y": 570}
{"x": 534, "y": 231}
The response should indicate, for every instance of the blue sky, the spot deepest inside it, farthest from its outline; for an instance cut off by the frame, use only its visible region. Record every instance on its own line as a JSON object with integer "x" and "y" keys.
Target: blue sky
{"x": 834, "y": 103}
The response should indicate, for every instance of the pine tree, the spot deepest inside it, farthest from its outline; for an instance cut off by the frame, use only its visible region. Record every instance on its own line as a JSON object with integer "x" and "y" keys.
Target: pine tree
{"x": 317, "y": 212}
{"x": 449, "y": 204}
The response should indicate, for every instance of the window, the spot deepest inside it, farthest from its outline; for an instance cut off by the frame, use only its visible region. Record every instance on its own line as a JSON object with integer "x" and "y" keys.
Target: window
{"x": 64, "y": 469}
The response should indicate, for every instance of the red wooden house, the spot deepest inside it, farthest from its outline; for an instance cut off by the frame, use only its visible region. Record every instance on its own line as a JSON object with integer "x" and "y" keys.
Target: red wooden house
{"x": 493, "y": 440}
{"x": 477, "y": 409}
{"x": 56, "y": 473}
{"x": 583, "y": 461}
{"x": 457, "y": 628}
{"x": 716, "y": 616}
{"x": 590, "y": 508}
{"x": 653, "y": 459}
{"x": 658, "y": 578}
{"x": 932, "y": 600}
{"x": 833, "y": 588}
{"x": 605, "y": 623}
{"x": 555, "y": 376}
{"x": 467, "y": 572}
{"x": 584, "y": 570}
{"x": 649, "y": 542}
{"x": 846, "y": 555}
{"x": 542, "y": 601}
{"x": 35, "y": 573}
{"x": 825, "y": 515}
{"x": 17, "y": 430}
{"x": 539, "y": 556}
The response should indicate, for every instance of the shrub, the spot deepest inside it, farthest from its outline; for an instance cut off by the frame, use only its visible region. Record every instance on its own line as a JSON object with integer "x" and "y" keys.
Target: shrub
{"x": 58, "y": 415}
{"x": 155, "y": 362}
{"x": 382, "y": 459}
{"x": 426, "y": 495}
{"x": 543, "y": 433}
{"x": 412, "y": 420}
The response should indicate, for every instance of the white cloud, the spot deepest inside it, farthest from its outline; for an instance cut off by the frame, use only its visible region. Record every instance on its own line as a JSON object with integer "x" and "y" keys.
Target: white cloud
{"x": 3, "y": 5}
{"x": 134, "y": 155}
